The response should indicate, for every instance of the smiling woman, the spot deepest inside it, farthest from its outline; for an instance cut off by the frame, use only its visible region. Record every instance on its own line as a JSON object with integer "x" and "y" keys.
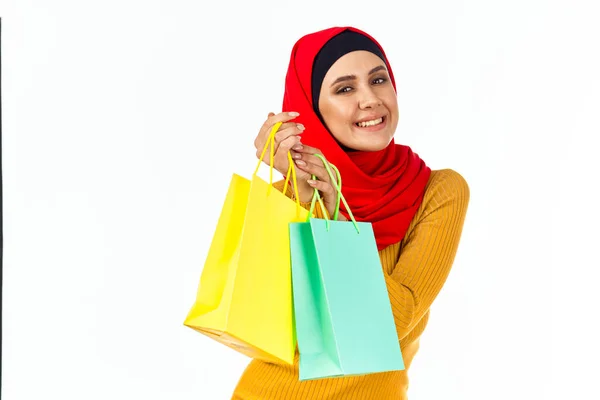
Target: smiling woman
{"x": 340, "y": 102}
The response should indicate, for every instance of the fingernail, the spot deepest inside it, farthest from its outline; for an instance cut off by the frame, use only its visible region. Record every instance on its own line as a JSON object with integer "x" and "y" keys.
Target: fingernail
{"x": 311, "y": 182}
{"x": 297, "y": 147}
{"x": 300, "y": 162}
{"x": 293, "y": 114}
{"x": 300, "y": 126}
{"x": 297, "y": 156}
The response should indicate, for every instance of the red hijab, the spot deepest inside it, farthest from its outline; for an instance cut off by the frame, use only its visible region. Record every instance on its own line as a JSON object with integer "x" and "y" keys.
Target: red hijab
{"x": 385, "y": 187}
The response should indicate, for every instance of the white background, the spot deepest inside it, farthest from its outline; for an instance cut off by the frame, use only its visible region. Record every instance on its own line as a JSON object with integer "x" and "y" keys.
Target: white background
{"x": 124, "y": 120}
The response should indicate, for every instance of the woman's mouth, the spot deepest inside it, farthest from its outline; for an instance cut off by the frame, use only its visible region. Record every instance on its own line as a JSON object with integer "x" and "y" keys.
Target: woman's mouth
{"x": 373, "y": 125}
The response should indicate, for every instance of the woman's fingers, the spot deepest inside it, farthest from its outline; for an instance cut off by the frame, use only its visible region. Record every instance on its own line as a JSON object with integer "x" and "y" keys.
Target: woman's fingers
{"x": 284, "y": 133}
{"x": 310, "y": 159}
{"x": 281, "y": 162}
{"x": 327, "y": 193}
{"x": 317, "y": 170}
{"x": 281, "y": 136}
{"x": 308, "y": 150}
{"x": 286, "y": 145}
{"x": 265, "y": 129}
{"x": 307, "y": 154}
{"x": 281, "y": 117}
{"x": 306, "y": 161}
{"x": 286, "y": 130}
{"x": 323, "y": 187}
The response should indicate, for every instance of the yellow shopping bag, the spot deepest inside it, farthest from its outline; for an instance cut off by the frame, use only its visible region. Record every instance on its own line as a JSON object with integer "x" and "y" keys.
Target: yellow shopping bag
{"x": 244, "y": 298}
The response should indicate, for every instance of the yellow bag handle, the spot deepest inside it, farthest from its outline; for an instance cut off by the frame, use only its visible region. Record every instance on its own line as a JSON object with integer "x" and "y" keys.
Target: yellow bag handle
{"x": 291, "y": 168}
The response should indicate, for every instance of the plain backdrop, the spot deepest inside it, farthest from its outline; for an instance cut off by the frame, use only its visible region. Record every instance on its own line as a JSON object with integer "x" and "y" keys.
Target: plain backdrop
{"x": 124, "y": 120}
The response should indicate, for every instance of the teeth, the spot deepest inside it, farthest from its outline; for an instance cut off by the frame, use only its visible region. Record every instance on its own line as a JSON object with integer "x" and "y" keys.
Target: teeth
{"x": 370, "y": 123}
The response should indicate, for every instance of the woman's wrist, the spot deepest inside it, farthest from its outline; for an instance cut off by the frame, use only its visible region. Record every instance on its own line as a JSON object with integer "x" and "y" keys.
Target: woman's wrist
{"x": 305, "y": 192}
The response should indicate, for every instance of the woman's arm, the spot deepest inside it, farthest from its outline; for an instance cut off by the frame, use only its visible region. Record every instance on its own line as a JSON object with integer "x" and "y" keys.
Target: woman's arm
{"x": 429, "y": 250}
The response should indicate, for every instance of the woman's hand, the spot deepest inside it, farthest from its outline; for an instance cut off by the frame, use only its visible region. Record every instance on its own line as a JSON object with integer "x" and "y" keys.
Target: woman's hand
{"x": 306, "y": 160}
{"x": 287, "y": 139}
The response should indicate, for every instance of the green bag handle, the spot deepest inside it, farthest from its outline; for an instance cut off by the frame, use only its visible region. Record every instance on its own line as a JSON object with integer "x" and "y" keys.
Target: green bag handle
{"x": 337, "y": 184}
{"x": 317, "y": 196}
{"x": 337, "y": 206}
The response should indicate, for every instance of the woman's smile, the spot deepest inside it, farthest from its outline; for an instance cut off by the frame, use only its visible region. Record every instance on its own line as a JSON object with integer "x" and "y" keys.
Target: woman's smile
{"x": 372, "y": 125}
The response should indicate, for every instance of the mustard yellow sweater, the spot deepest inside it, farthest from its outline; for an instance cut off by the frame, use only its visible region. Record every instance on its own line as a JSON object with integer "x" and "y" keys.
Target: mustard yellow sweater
{"x": 415, "y": 270}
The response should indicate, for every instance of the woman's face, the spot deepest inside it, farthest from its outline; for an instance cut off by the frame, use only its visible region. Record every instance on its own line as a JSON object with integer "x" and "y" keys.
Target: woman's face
{"x": 355, "y": 90}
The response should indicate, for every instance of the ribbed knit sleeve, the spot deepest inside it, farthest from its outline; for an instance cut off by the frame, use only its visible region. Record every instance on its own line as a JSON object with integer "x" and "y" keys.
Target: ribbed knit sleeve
{"x": 428, "y": 250}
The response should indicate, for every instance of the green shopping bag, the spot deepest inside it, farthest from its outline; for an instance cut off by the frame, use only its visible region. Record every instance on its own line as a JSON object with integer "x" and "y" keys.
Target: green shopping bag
{"x": 343, "y": 317}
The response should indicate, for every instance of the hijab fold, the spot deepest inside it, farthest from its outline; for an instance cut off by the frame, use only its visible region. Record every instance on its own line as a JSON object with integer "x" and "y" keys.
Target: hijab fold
{"x": 384, "y": 187}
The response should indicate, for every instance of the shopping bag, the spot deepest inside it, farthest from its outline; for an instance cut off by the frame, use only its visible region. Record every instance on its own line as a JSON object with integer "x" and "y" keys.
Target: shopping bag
{"x": 343, "y": 315}
{"x": 244, "y": 298}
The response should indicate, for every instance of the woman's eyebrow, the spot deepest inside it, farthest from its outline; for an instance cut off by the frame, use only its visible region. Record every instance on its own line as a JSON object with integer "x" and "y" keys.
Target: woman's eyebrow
{"x": 353, "y": 77}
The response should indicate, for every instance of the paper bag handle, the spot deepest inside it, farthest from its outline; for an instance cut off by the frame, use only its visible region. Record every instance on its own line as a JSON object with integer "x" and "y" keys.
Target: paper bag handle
{"x": 337, "y": 184}
{"x": 271, "y": 141}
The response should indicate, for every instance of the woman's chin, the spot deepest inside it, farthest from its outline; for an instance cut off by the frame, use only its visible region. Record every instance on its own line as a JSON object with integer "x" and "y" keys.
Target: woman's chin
{"x": 370, "y": 141}
{"x": 371, "y": 144}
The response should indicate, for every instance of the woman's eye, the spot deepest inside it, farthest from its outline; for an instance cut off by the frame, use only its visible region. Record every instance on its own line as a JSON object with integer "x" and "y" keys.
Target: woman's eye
{"x": 346, "y": 89}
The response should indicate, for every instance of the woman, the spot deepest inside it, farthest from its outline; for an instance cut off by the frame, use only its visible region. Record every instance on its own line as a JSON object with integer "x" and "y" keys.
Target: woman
{"x": 340, "y": 102}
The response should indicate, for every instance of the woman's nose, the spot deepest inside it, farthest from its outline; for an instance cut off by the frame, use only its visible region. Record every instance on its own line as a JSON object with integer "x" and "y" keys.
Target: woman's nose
{"x": 369, "y": 100}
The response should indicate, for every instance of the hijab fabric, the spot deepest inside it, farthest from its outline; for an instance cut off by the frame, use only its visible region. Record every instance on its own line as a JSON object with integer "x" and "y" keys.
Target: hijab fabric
{"x": 384, "y": 187}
